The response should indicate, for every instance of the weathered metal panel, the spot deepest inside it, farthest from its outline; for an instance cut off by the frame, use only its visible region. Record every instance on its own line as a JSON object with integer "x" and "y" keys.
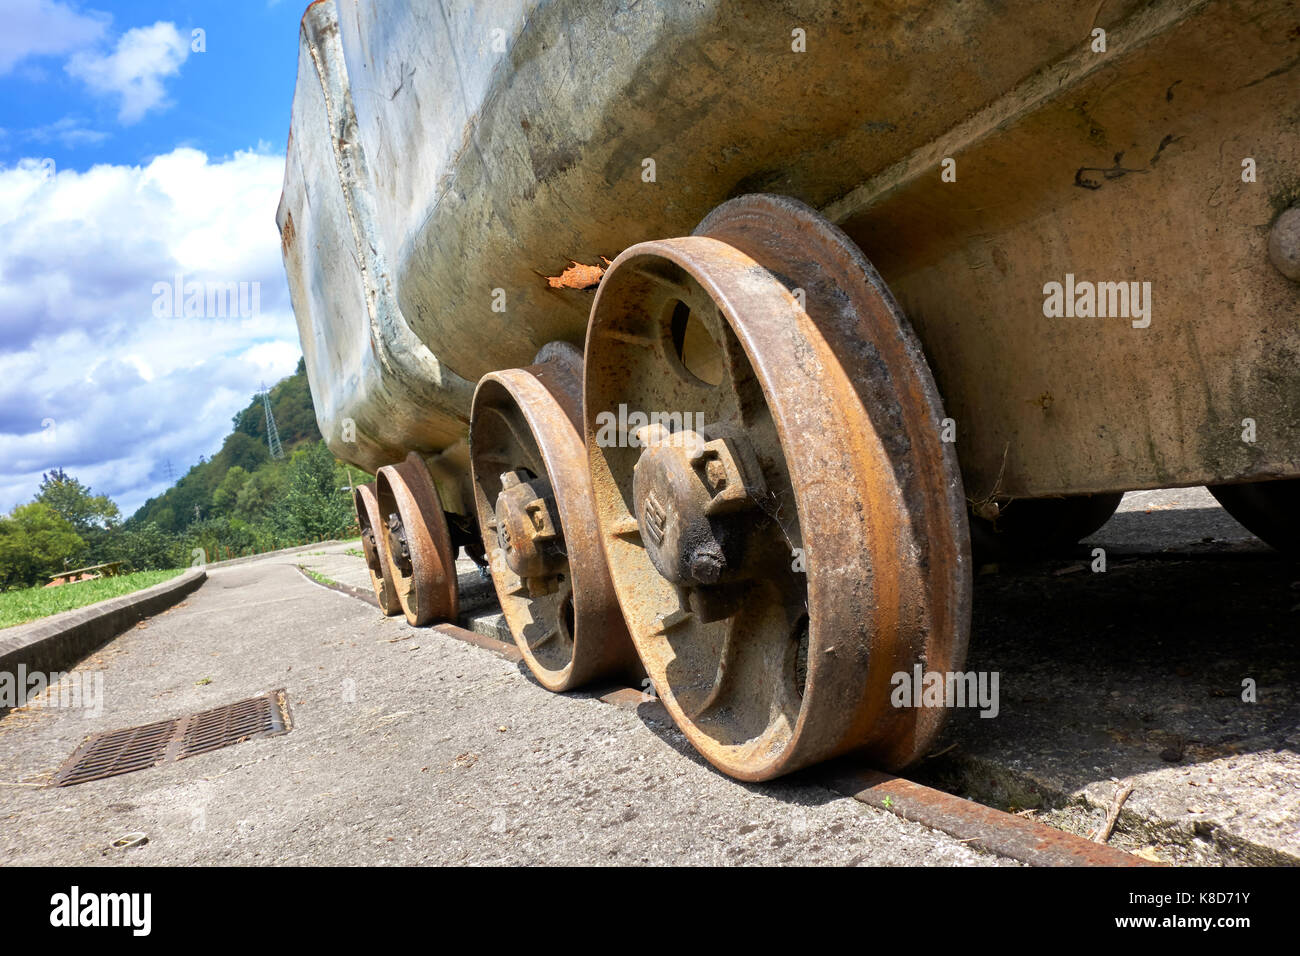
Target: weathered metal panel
{"x": 549, "y": 163}
{"x": 1116, "y": 167}
{"x": 377, "y": 389}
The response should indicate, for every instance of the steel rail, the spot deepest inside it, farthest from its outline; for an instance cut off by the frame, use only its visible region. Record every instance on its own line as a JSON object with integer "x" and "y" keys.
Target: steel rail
{"x": 1005, "y": 834}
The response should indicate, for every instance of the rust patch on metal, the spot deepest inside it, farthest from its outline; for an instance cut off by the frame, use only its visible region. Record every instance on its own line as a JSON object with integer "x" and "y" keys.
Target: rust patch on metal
{"x": 578, "y": 276}
{"x": 287, "y": 233}
{"x": 117, "y": 752}
{"x": 1021, "y": 839}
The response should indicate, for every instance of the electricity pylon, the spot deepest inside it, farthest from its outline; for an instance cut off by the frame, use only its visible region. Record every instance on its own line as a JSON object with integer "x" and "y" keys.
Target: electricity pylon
{"x": 272, "y": 433}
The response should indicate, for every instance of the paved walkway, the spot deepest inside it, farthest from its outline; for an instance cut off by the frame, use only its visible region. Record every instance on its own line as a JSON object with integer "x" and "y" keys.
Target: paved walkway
{"x": 408, "y": 747}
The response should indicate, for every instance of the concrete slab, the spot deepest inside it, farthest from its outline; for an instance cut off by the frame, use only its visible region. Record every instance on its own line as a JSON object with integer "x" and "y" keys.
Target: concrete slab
{"x": 1130, "y": 675}
{"x": 1135, "y": 675}
{"x": 55, "y": 643}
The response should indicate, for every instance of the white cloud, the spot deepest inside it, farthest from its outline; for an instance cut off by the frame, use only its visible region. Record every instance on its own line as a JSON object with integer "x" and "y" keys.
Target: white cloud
{"x": 45, "y": 28}
{"x": 80, "y": 345}
{"x": 135, "y": 69}
{"x": 69, "y": 131}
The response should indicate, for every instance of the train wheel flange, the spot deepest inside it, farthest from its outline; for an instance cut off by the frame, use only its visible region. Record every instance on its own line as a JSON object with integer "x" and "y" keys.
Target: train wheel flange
{"x": 373, "y": 545}
{"x": 785, "y": 530}
{"x": 533, "y": 497}
{"x": 419, "y": 562}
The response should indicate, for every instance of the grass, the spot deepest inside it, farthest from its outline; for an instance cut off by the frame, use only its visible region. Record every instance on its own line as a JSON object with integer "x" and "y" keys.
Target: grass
{"x": 29, "y": 604}
{"x": 318, "y": 578}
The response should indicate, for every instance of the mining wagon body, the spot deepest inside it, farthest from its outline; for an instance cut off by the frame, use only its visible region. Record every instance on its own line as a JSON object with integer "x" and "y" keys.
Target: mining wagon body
{"x": 902, "y": 260}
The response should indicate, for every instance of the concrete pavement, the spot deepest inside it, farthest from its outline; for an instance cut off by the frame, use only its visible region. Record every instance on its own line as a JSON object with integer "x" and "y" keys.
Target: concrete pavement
{"x": 407, "y": 747}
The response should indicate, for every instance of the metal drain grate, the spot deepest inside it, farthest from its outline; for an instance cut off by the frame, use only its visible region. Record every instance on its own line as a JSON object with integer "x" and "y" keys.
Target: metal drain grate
{"x": 135, "y": 748}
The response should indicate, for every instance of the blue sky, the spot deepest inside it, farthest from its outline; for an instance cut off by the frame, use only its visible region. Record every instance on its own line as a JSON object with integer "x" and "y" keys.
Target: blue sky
{"x": 130, "y": 157}
{"x": 231, "y": 97}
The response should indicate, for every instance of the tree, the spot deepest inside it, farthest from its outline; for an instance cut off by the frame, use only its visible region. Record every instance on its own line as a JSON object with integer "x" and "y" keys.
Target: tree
{"x": 146, "y": 548}
{"x": 226, "y": 496}
{"x": 243, "y": 451}
{"x": 35, "y": 542}
{"x": 87, "y": 513}
{"x": 261, "y": 493}
{"x": 93, "y": 517}
{"x": 314, "y": 507}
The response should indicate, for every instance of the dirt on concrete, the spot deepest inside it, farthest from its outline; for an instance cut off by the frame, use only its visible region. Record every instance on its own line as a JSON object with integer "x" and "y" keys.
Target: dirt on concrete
{"x": 410, "y": 747}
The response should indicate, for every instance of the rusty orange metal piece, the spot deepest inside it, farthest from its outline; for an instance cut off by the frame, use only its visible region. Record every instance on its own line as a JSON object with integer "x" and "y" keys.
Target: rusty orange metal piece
{"x": 578, "y": 276}
{"x": 983, "y": 827}
{"x": 374, "y": 545}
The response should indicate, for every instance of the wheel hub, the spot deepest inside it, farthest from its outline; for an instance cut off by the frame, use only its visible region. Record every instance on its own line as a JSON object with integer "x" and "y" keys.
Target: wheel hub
{"x": 371, "y": 551}
{"x": 401, "y": 548}
{"x": 528, "y": 528}
{"x": 696, "y": 497}
{"x": 533, "y": 499}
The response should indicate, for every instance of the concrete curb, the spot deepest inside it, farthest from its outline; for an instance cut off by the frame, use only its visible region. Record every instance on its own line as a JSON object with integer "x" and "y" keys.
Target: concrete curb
{"x": 479, "y": 611}
{"x": 349, "y": 590}
{"x": 58, "y": 642}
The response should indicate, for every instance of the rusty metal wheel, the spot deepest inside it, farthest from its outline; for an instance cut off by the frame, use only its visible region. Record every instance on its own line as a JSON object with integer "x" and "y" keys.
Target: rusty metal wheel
{"x": 363, "y": 497}
{"x": 1270, "y": 510}
{"x": 419, "y": 562}
{"x": 533, "y": 495}
{"x": 800, "y": 538}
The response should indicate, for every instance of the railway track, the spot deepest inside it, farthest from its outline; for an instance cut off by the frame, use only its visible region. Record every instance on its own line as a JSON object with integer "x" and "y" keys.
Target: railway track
{"x": 986, "y": 828}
